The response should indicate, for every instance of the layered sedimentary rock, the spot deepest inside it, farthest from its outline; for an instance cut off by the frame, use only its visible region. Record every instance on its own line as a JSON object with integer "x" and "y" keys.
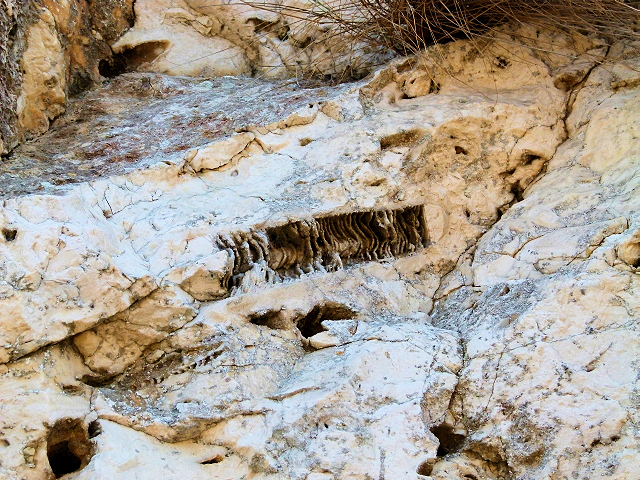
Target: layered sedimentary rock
{"x": 431, "y": 273}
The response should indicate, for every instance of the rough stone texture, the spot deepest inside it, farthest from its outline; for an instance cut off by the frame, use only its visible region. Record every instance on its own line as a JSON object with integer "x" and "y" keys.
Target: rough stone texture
{"x": 140, "y": 120}
{"x": 13, "y": 18}
{"x": 49, "y": 51}
{"x": 43, "y": 92}
{"x": 266, "y": 39}
{"x": 432, "y": 273}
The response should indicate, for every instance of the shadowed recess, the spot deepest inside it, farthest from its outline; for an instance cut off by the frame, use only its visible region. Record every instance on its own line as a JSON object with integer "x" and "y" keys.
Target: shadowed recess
{"x": 68, "y": 447}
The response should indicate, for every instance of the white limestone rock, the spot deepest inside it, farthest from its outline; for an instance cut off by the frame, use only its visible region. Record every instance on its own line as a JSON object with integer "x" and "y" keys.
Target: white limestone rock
{"x": 422, "y": 279}
{"x": 551, "y": 323}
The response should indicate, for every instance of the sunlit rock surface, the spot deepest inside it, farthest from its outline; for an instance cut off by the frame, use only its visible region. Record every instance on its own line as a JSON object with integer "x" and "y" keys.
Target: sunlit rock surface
{"x": 50, "y": 51}
{"x": 430, "y": 273}
{"x": 263, "y": 39}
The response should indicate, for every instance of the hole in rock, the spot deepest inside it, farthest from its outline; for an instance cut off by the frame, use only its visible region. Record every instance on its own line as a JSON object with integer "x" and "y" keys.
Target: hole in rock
{"x": 502, "y": 62}
{"x": 529, "y": 158}
{"x": 112, "y": 67}
{"x": 9, "y": 234}
{"x": 62, "y": 460}
{"x": 97, "y": 381}
{"x": 425, "y": 468}
{"x": 460, "y": 150}
{"x": 308, "y": 324}
{"x": 311, "y": 324}
{"x": 130, "y": 59}
{"x": 260, "y": 25}
{"x": 450, "y": 441}
{"x": 68, "y": 447}
{"x": 213, "y": 460}
{"x": 518, "y": 192}
{"x": 283, "y": 34}
{"x": 12, "y": 34}
{"x": 272, "y": 319}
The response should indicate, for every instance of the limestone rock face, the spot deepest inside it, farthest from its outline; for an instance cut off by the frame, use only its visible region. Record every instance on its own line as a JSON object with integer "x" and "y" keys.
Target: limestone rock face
{"x": 51, "y": 50}
{"x": 266, "y": 39}
{"x": 430, "y": 273}
{"x": 42, "y": 97}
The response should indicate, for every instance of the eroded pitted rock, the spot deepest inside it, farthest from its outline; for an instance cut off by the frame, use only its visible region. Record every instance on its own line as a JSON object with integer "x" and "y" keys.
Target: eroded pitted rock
{"x": 14, "y": 17}
{"x": 271, "y": 40}
{"x": 550, "y": 319}
{"x": 309, "y": 370}
{"x": 43, "y": 94}
{"x": 52, "y": 50}
{"x": 238, "y": 351}
{"x": 45, "y": 415}
{"x": 463, "y": 162}
{"x": 360, "y": 397}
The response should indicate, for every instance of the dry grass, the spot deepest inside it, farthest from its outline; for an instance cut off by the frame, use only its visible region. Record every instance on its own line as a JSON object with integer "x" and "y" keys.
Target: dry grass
{"x": 409, "y": 26}
{"x": 361, "y": 30}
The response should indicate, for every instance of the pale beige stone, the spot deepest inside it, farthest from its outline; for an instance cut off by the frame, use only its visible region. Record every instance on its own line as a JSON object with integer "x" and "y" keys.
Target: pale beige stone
{"x": 273, "y": 40}
{"x": 207, "y": 279}
{"x": 220, "y": 153}
{"x": 167, "y": 41}
{"x": 113, "y": 346}
{"x": 43, "y": 96}
{"x": 500, "y": 344}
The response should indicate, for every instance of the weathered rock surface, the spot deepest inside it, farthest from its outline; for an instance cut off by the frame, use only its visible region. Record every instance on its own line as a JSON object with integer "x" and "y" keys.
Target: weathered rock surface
{"x": 267, "y": 39}
{"x": 13, "y": 18}
{"x": 49, "y": 51}
{"x": 432, "y": 273}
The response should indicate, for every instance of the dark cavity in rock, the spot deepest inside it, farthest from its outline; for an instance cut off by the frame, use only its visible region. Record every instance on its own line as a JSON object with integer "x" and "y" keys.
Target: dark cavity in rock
{"x": 309, "y": 323}
{"x": 324, "y": 244}
{"x": 9, "y": 234}
{"x": 450, "y": 442}
{"x": 68, "y": 447}
{"x": 130, "y": 59}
